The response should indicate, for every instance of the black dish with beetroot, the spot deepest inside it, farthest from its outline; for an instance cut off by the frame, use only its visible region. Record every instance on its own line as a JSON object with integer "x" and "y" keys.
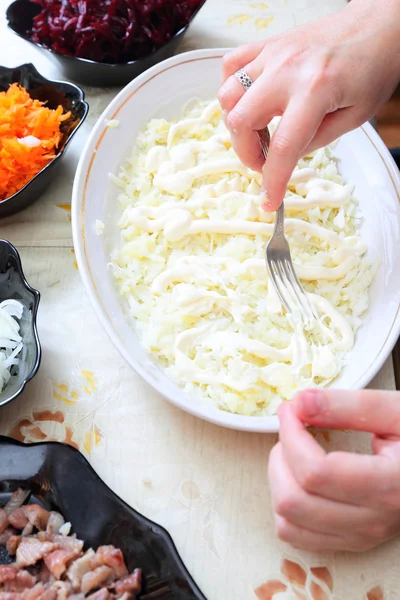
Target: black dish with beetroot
{"x": 64, "y": 535}
{"x": 103, "y": 42}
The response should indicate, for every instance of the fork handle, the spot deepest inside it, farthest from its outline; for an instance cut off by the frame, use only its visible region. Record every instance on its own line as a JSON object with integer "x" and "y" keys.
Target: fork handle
{"x": 280, "y": 217}
{"x": 265, "y": 140}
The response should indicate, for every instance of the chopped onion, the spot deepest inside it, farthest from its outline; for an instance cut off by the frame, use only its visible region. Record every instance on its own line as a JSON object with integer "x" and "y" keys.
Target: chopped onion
{"x": 11, "y": 343}
{"x": 65, "y": 529}
{"x": 99, "y": 227}
{"x": 30, "y": 141}
{"x": 112, "y": 123}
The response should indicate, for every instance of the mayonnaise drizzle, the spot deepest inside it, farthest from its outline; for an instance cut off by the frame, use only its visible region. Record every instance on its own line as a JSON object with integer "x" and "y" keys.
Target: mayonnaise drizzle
{"x": 174, "y": 180}
{"x": 189, "y": 268}
{"x": 298, "y": 351}
{"x": 211, "y": 110}
{"x": 178, "y": 223}
{"x": 223, "y": 341}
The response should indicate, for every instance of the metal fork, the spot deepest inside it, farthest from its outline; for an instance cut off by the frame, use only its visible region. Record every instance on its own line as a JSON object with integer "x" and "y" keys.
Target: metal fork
{"x": 279, "y": 261}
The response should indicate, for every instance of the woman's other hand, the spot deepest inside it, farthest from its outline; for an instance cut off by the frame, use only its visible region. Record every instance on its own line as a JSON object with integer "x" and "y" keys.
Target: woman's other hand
{"x": 339, "y": 500}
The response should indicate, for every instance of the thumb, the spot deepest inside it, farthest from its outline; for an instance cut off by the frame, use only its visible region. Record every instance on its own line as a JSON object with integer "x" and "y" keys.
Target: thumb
{"x": 366, "y": 410}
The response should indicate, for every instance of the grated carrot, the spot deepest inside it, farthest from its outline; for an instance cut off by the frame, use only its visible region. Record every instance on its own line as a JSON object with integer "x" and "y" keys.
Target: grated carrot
{"x": 30, "y": 135}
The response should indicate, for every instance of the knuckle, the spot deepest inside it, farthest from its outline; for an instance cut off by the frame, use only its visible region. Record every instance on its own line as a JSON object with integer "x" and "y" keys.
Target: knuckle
{"x": 236, "y": 121}
{"x": 318, "y": 78}
{"x": 365, "y": 541}
{"x": 311, "y": 477}
{"x": 285, "y": 504}
{"x": 379, "y": 531}
{"x": 319, "y": 67}
{"x": 222, "y": 96}
{"x": 228, "y": 61}
{"x": 281, "y": 145}
{"x": 290, "y": 56}
{"x": 283, "y": 530}
{"x": 362, "y": 545}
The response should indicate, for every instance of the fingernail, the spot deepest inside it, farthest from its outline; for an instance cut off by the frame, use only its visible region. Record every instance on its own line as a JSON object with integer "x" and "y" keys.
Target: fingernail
{"x": 282, "y": 408}
{"x": 222, "y": 90}
{"x": 226, "y": 121}
{"x": 311, "y": 402}
{"x": 266, "y": 204}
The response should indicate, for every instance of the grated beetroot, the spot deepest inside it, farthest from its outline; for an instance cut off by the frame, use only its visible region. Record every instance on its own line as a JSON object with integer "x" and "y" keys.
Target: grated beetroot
{"x": 109, "y": 31}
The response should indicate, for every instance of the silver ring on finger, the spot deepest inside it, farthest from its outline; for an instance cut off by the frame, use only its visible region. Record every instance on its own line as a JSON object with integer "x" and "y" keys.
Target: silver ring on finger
{"x": 244, "y": 79}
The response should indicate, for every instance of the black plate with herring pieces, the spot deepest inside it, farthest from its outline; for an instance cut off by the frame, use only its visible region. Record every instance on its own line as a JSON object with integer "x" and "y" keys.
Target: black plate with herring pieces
{"x": 54, "y": 94}
{"x": 61, "y": 479}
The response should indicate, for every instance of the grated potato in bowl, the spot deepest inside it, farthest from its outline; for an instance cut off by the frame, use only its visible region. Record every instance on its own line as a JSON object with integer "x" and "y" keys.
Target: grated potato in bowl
{"x": 191, "y": 265}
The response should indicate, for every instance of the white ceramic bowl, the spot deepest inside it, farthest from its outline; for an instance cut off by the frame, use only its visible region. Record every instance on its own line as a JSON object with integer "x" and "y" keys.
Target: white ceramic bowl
{"x": 163, "y": 91}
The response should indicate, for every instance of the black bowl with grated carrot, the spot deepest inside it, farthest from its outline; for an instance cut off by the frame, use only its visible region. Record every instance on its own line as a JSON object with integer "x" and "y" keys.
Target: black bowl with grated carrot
{"x": 38, "y": 119}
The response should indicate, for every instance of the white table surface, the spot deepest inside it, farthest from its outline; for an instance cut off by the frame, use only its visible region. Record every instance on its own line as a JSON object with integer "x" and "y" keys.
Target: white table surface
{"x": 206, "y": 485}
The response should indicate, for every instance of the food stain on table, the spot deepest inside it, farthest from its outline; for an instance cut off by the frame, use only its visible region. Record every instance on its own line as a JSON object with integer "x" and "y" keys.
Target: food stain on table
{"x": 259, "y": 21}
{"x": 92, "y": 439}
{"x": 80, "y": 391}
{"x": 317, "y": 593}
{"x": 266, "y": 591}
{"x": 209, "y": 533}
{"x": 67, "y": 208}
{"x": 190, "y": 490}
{"x": 299, "y": 581}
{"x": 259, "y": 6}
{"x": 48, "y": 415}
{"x": 376, "y": 594}
{"x": 74, "y": 263}
{"x": 85, "y": 385}
{"x": 262, "y": 23}
{"x": 239, "y": 19}
{"x": 91, "y": 383}
{"x": 69, "y": 438}
{"x": 294, "y": 572}
{"x": 323, "y": 574}
{"x": 42, "y": 426}
{"x": 45, "y": 415}
{"x": 304, "y": 583}
{"x": 63, "y": 393}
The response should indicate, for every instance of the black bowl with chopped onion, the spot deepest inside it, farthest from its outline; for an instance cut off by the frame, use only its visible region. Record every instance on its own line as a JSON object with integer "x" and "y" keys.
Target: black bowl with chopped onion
{"x": 103, "y": 42}
{"x": 20, "y": 351}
